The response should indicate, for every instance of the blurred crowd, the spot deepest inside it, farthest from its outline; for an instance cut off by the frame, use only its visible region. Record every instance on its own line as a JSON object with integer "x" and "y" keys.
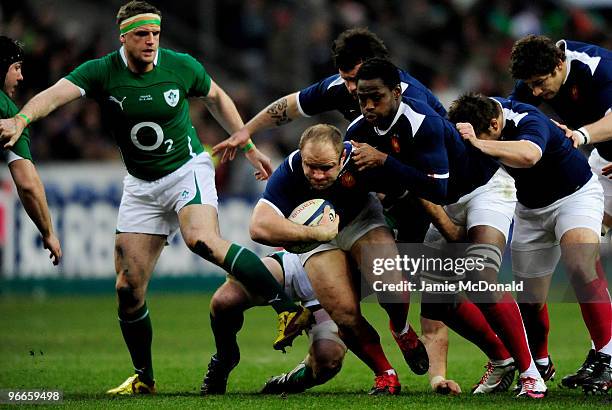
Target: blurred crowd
{"x": 259, "y": 50}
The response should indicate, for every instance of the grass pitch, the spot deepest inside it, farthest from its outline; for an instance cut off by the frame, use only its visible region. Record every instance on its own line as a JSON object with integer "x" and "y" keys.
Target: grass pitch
{"x": 74, "y": 344}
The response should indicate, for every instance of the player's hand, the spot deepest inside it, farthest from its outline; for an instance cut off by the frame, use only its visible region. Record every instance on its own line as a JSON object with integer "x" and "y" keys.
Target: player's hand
{"x": 467, "y": 133}
{"x": 261, "y": 163}
{"x": 607, "y": 171}
{"x": 10, "y": 130}
{"x": 55, "y": 250}
{"x": 327, "y": 228}
{"x": 576, "y": 137}
{"x": 447, "y": 387}
{"x": 231, "y": 144}
{"x": 365, "y": 156}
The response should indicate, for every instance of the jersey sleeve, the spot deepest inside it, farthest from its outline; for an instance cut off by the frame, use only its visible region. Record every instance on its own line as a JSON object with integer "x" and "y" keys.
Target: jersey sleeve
{"x": 87, "y": 76}
{"x": 318, "y": 97}
{"x": 200, "y": 84}
{"x": 278, "y": 192}
{"x": 533, "y": 128}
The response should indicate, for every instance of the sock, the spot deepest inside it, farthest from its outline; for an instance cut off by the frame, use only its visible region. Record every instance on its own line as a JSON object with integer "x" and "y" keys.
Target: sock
{"x": 138, "y": 335}
{"x": 469, "y": 322}
{"x": 366, "y": 347}
{"x": 505, "y": 320}
{"x": 225, "y": 327}
{"x": 398, "y": 315}
{"x": 403, "y": 331}
{"x": 537, "y": 326}
{"x": 302, "y": 377}
{"x": 542, "y": 362}
{"x": 253, "y": 274}
{"x": 596, "y": 310}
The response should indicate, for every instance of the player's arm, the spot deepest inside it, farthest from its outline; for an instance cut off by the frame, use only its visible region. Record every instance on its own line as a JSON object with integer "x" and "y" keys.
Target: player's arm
{"x": 451, "y": 231}
{"x": 41, "y": 105}
{"x": 278, "y": 113}
{"x": 269, "y": 227}
{"x": 223, "y": 109}
{"x": 32, "y": 194}
{"x": 515, "y": 154}
{"x": 598, "y": 131}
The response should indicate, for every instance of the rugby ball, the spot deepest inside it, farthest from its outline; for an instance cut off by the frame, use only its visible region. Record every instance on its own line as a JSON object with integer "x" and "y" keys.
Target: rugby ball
{"x": 309, "y": 213}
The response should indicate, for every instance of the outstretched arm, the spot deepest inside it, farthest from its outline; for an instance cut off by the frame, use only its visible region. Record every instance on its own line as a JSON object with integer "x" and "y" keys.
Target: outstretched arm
{"x": 225, "y": 112}
{"x": 41, "y": 105}
{"x": 278, "y": 113}
{"x": 451, "y": 231}
{"x": 32, "y": 195}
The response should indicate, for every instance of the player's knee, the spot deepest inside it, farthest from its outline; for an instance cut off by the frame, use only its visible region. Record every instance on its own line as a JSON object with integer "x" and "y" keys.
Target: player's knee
{"x": 346, "y": 316}
{"x": 129, "y": 297}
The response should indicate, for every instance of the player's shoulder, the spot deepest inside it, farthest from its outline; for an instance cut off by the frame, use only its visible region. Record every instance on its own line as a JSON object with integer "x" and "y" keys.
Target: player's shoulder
{"x": 175, "y": 60}
{"x": 358, "y": 124}
{"x": 518, "y": 112}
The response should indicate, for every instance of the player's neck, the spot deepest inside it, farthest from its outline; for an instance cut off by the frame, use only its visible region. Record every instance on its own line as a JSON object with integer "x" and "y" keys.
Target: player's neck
{"x": 139, "y": 67}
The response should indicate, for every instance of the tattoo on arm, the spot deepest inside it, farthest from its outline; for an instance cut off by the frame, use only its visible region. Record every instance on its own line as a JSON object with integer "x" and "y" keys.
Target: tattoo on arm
{"x": 278, "y": 112}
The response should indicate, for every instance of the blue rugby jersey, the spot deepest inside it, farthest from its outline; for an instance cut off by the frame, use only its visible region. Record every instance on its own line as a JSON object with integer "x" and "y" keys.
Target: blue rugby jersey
{"x": 330, "y": 94}
{"x": 586, "y": 94}
{"x": 561, "y": 171}
{"x": 288, "y": 188}
{"x": 427, "y": 156}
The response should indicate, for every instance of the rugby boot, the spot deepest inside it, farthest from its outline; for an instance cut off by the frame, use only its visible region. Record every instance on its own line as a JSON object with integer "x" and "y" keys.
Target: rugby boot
{"x": 132, "y": 385}
{"x": 496, "y": 378}
{"x": 291, "y": 325}
{"x": 571, "y": 381}
{"x": 413, "y": 350}
{"x": 600, "y": 379}
{"x": 215, "y": 380}
{"x": 532, "y": 388}
{"x": 283, "y": 383}
{"x": 386, "y": 384}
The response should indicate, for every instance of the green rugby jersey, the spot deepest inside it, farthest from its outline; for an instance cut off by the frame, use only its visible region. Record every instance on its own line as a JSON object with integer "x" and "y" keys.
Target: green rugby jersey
{"x": 9, "y": 109}
{"x": 148, "y": 113}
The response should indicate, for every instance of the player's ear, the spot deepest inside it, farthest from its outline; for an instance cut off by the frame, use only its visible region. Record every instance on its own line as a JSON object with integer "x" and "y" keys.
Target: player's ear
{"x": 397, "y": 92}
{"x": 122, "y": 38}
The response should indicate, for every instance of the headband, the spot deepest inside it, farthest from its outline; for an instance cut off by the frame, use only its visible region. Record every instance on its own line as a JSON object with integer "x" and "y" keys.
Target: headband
{"x": 138, "y": 20}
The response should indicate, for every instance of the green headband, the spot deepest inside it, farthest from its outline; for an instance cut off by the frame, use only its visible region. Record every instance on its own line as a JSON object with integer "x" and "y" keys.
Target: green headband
{"x": 139, "y": 20}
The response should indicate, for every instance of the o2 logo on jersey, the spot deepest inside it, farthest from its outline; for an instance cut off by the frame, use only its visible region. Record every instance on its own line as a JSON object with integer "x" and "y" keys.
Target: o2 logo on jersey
{"x": 172, "y": 97}
{"x": 395, "y": 143}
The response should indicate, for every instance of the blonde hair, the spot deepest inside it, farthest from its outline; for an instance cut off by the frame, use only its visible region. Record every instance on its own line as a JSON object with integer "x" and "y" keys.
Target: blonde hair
{"x": 321, "y": 133}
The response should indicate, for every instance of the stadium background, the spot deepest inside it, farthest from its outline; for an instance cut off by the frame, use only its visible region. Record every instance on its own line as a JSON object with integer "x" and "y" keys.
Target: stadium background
{"x": 257, "y": 51}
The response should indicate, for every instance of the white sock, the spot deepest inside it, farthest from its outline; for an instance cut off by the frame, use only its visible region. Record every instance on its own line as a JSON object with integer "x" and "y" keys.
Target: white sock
{"x": 404, "y": 331}
{"x": 502, "y": 362}
{"x": 542, "y": 362}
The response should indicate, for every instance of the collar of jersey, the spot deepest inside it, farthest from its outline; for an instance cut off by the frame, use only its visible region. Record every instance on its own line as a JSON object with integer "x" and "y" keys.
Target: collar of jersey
{"x": 124, "y": 58}
{"x": 501, "y": 107}
{"x": 399, "y": 112}
{"x": 568, "y": 60}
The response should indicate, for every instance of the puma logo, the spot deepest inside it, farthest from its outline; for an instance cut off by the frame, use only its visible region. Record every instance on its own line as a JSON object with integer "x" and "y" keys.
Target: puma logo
{"x": 275, "y": 299}
{"x": 113, "y": 99}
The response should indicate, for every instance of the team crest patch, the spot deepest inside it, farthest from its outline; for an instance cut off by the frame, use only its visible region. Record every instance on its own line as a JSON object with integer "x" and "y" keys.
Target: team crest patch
{"x": 347, "y": 180}
{"x": 574, "y": 92}
{"x": 395, "y": 144}
{"x": 172, "y": 97}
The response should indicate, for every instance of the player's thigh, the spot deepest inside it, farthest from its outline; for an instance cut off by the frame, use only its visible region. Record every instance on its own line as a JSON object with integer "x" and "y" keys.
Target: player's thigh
{"x": 330, "y": 276}
{"x": 135, "y": 257}
{"x": 200, "y": 230}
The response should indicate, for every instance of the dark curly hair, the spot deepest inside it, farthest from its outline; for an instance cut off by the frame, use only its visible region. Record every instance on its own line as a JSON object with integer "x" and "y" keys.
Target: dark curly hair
{"x": 474, "y": 108}
{"x": 355, "y": 46}
{"x": 534, "y": 56}
{"x": 379, "y": 68}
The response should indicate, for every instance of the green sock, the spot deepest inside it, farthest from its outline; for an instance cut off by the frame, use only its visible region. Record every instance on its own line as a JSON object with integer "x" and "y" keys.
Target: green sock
{"x": 301, "y": 377}
{"x": 138, "y": 335}
{"x": 250, "y": 270}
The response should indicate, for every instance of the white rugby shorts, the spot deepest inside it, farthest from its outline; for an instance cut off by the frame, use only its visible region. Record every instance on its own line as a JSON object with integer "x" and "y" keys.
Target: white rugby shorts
{"x": 597, "y": 163}
{"x": 491, "y": 204}
{"x": 535, "y": 240}
{"x": 371, "y": 217}
{"x": 152, "y": 207}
